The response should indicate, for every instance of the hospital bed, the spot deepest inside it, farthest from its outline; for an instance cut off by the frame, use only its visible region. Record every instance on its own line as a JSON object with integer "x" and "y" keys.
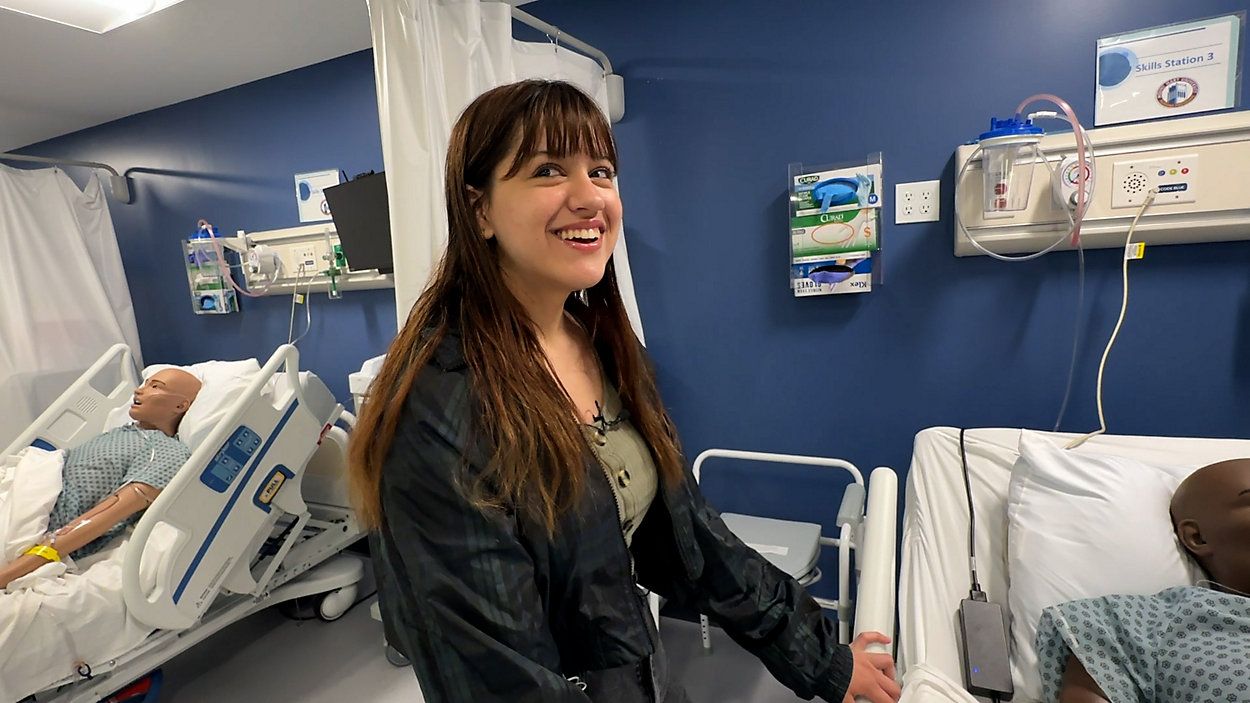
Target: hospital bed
{"x": 934, "y": 562}
{"x": 258, "y": 515}
{"x": 866, "y": 521}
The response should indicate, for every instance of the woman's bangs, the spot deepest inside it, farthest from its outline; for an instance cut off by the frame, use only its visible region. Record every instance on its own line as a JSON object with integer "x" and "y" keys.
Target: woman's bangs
{"x": 562, "y": 123}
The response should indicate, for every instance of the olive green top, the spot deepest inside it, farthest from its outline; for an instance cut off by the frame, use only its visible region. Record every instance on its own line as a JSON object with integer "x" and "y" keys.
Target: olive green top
{"x": 627, "y": 461}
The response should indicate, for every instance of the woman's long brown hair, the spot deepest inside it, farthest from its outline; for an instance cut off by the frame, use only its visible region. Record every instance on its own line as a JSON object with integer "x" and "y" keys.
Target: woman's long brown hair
{"x": 539, "y": 461}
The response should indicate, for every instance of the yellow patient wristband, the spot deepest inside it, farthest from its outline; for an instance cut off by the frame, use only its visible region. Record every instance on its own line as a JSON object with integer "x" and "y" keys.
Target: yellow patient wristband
{"x": 43, "y": 550}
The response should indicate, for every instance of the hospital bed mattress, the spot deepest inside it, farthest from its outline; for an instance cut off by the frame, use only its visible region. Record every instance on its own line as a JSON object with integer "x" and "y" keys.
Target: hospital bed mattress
{"x": 934, "y": 571}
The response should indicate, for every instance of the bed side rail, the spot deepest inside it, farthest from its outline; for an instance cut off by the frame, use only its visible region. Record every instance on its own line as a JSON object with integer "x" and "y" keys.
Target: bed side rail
{"x": 878, "y": 552}
{"x": 80, "y": 411}
{"x": 212, "y": 518}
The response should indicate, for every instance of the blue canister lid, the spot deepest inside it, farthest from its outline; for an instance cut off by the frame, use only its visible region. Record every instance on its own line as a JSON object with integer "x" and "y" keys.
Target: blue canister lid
{"x": 203, "y": 233}
{"x": 1010, "y": 127}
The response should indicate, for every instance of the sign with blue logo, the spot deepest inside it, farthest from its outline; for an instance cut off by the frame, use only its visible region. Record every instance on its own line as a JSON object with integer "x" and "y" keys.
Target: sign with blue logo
{"x": 1176, "y": 69}
{"x": 309, "y": 197}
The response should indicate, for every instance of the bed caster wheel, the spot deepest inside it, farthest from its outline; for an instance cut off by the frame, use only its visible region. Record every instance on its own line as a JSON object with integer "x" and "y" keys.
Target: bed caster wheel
{"x": 336, "y": 602}
{"x": 395, "y": 657}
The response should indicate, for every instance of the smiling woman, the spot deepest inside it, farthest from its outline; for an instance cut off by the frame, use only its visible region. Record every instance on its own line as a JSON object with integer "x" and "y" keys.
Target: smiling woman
{"x": 516, "y": 460}
{"x": 528, "y": 163}
{"x": 555, "y": 220}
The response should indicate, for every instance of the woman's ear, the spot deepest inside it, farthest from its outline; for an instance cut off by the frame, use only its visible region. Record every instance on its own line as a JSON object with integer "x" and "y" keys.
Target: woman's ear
{"x": 1192, "y": 540}
{"x": 477, "y": 199}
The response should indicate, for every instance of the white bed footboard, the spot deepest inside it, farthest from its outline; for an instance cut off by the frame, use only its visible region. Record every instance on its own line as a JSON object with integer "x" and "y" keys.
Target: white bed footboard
{"x": 223, "y": 505}
{"x": 80, "y": 412}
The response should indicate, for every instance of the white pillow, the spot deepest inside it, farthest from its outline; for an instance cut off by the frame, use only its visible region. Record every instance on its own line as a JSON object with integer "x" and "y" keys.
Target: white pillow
{"x": 221, "y": 383}
{"x": 1080, "y": 525}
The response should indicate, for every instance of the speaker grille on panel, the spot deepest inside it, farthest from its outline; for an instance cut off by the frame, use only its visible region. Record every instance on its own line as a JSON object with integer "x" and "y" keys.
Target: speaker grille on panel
{"x": 86, "y": 405}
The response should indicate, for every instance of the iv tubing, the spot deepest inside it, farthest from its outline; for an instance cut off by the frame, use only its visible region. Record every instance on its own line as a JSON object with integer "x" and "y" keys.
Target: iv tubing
{"x": 1076, "y": 334}
{"x": 1089, "y": 148}
{"x": 1079, "y": 133}
{"x": 224, "y": 266}
{"x": 1080, "y": 255}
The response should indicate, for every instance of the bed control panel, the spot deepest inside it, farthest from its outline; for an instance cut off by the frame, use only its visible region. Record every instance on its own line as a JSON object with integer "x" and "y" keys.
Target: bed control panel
{"x": 230, "y": 459}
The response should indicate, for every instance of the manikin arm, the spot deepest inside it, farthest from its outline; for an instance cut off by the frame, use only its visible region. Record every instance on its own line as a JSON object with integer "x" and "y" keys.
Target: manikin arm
{"x": 128, "y": 500}
{"x": 1078, "y": 686}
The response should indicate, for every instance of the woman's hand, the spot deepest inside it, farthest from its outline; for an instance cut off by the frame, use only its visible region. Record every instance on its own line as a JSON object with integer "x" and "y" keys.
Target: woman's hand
{"x": 873, "y": 676}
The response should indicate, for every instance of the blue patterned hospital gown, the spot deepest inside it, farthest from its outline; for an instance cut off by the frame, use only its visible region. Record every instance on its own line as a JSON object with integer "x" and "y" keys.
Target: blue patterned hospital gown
{"x": 1179, "y": 645}
{"x": 103, "y": 464}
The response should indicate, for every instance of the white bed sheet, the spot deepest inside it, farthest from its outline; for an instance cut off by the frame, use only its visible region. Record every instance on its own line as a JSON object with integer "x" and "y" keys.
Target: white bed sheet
{"x": 54, "y": 611}
{"x": 934, "y": 560}
{"x": 56, "y": 615}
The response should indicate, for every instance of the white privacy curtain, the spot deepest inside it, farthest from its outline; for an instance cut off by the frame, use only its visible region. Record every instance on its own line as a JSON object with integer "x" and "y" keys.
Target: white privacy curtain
{"x": 65, "y": 297}
{"x": 431, "y": 59}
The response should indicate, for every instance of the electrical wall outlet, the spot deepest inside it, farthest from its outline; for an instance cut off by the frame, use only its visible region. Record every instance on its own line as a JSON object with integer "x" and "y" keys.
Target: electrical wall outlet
{"x": 917, "y": 202}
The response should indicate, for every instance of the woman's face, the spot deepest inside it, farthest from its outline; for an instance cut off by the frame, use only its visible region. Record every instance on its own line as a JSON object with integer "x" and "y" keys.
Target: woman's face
{"x": 555, "y": 222}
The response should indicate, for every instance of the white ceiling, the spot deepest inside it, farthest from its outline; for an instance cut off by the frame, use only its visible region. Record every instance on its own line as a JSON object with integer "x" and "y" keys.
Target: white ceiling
{"x": 56, "y": 79}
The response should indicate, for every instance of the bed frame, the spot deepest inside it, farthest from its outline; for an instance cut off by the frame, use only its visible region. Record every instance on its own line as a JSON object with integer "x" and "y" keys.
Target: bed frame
{"x": 246, "y": 531}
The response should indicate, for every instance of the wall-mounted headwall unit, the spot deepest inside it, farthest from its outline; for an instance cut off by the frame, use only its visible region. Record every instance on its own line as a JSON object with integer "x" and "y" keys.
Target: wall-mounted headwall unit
{"x": 285, "y": 260}
{"x": 1200, "y": 165}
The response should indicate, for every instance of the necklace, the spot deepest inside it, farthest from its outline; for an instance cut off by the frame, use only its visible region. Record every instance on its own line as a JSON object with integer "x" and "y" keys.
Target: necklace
{"x": 602, "y": 425}
{"x": 1220, "y": 586}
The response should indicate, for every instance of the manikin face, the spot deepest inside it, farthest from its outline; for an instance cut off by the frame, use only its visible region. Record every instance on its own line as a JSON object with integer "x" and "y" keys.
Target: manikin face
{"x": 163, "y": 399}
{"x": 555, "y": 221}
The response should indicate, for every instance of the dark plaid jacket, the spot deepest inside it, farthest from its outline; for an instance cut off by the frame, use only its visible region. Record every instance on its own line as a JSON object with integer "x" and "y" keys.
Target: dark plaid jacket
{"x": 489, "y": 608}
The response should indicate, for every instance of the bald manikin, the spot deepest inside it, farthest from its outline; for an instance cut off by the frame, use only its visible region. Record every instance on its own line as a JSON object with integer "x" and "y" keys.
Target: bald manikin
{"x": 163, "y": 399}
{"x": 109, "y": 479}
{"x": 1211, "y": 515}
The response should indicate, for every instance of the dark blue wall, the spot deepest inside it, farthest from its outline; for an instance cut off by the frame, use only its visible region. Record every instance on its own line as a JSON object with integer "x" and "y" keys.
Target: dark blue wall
{"x": 720, "y": 97}
{"x": 231, "y": 158}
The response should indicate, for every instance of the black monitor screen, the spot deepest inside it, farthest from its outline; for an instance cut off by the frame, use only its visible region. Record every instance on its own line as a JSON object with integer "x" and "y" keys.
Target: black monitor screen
{"x": 363, "y": 222}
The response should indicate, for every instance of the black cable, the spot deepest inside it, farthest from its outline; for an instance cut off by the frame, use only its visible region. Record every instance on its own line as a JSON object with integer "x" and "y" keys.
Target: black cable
{"x": 977, "y": 594}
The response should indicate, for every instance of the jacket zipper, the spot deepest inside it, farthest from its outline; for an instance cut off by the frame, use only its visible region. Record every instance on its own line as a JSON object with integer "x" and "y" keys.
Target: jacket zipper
{"x": 620, "y": 508}
{"x": 631, "y": 589}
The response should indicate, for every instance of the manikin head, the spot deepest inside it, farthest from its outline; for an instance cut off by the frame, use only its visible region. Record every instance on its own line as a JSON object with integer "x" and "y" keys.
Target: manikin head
{"x": 162, "y": 400}
{"x": 1211, "y": 515}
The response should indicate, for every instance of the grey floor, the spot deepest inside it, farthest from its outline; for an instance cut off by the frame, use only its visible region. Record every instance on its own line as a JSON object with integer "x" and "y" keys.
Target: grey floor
{"x": 270, "y": 658}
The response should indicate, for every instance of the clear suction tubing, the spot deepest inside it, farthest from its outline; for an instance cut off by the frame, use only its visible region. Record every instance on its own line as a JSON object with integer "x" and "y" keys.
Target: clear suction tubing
{"x": 1008, "y": 153}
